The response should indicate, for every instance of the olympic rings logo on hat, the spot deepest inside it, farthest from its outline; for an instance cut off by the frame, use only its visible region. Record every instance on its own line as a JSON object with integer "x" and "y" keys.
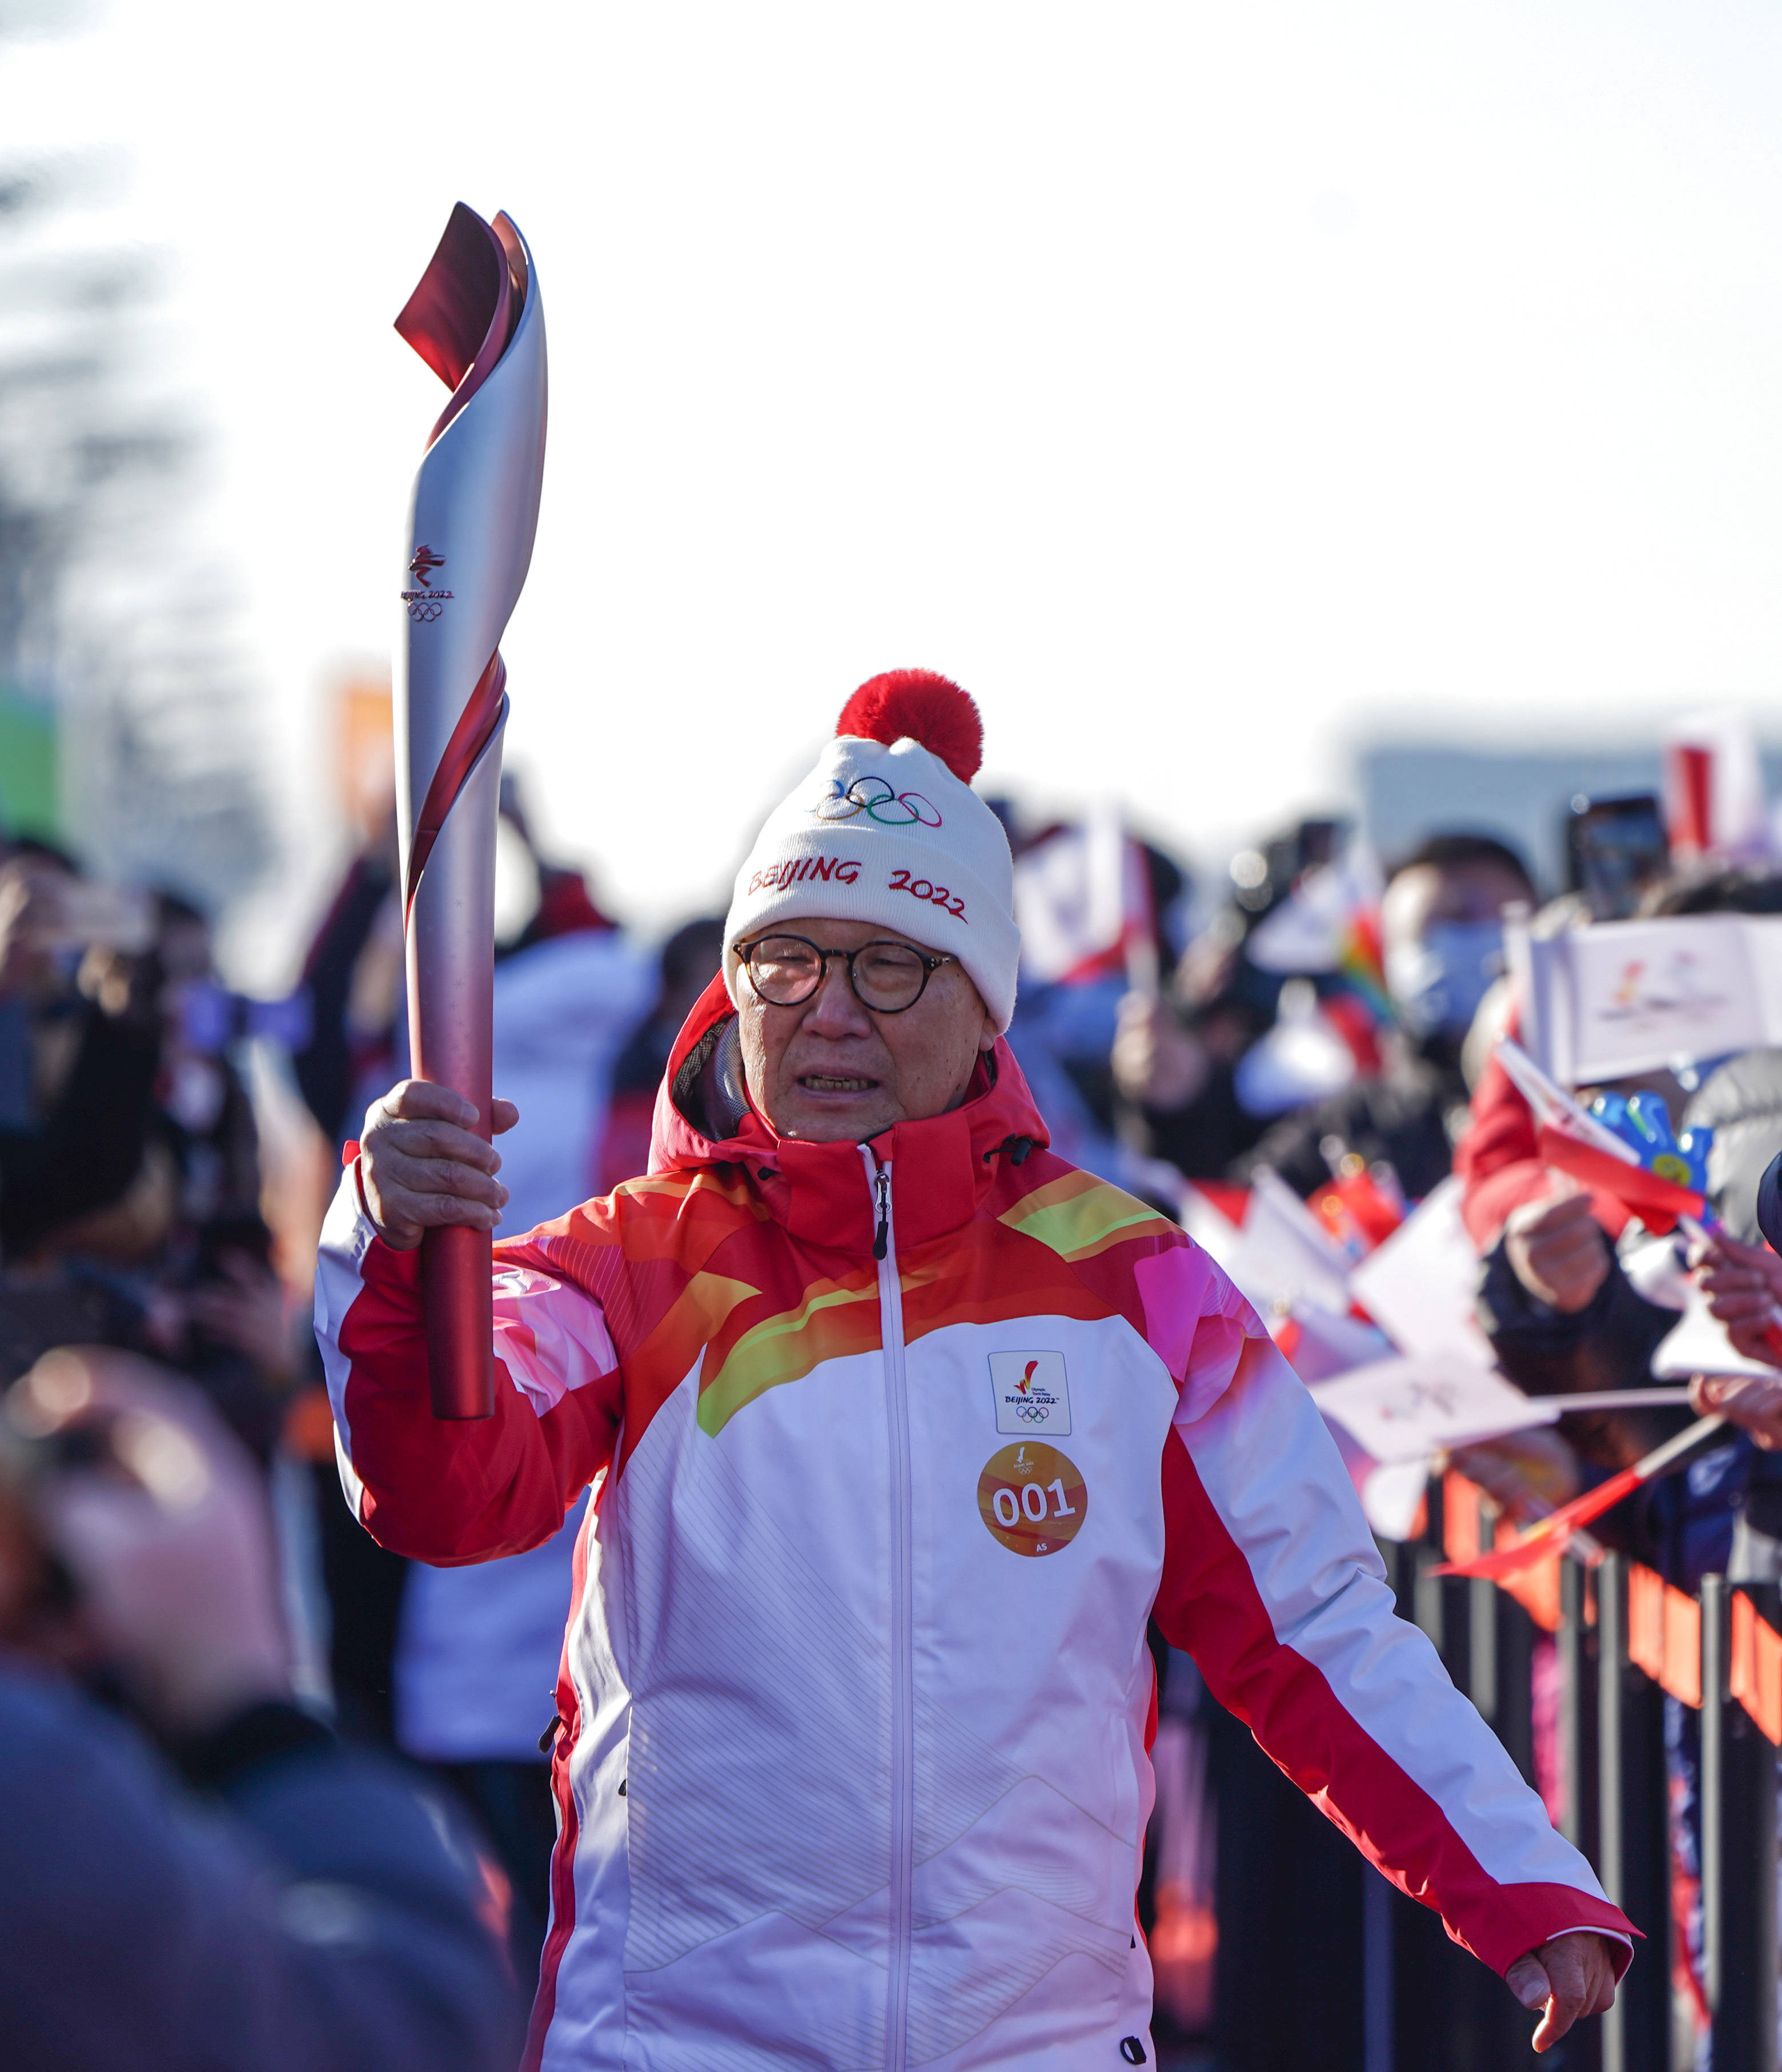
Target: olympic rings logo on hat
{"x": 877, "y": 799}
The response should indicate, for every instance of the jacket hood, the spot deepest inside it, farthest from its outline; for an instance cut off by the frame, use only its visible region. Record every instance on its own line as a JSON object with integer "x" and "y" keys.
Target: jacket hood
{"x": 942, "y": 1167}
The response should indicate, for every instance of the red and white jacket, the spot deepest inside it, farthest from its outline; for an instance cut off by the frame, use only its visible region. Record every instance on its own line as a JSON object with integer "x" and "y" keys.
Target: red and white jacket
{"x": 855, "y": 1692}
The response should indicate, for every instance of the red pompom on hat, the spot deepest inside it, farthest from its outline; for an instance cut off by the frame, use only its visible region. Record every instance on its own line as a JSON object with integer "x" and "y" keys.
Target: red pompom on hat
{"x": 925, "y": 706}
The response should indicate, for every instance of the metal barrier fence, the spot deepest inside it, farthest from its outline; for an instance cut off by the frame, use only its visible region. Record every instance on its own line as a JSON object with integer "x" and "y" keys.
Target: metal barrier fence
{"x": 1623, "y": 1638}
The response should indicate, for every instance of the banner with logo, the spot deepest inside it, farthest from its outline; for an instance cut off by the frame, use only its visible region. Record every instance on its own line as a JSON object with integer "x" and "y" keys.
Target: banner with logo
{"x": 1405, "y": 1410}
{"x": 1622, "y": 998}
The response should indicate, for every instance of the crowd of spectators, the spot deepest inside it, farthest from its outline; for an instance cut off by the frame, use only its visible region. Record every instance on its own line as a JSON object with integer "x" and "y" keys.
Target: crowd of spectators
{"x": 195, "y": 1867}
{"x": 300, "y": 1778}
{"x": 1574, "y": 1296}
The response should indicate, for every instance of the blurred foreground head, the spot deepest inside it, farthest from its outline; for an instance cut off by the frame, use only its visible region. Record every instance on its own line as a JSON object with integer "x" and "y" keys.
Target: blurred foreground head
{"x": 135, "y": 1549}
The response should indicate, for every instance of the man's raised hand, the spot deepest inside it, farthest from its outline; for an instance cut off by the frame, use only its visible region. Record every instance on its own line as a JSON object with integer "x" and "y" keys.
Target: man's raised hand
{"x": 422, "y": 1166}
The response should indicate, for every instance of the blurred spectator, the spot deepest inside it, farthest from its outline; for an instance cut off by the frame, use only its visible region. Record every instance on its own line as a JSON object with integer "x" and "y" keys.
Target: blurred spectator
{"x": 456, "y": 1667}
{"x": 1441, "y": 938}
{"x": 1062, "y": 1036}
{"x": 1723, "y": 1513}
{"x": 1556, "y": 1297}
{"x": 1499, "y": 1161}
{"x": 476, "y": 1648}
{"x": 566, "y": 990}
{"x": 1098, "y": 911}
{"x": 308, "y": 1914}
{"x": 129, "y": 1188}
{"x": 78, "y": 1061}
{"x": 561, "y": 903}
{"x": 1441, "y": 931}
{"x": 1742, "y": 1277}
{"x": 1173, "y": 1060}
{"x": 689, "y": 961}
{"x": 354, "y": 975}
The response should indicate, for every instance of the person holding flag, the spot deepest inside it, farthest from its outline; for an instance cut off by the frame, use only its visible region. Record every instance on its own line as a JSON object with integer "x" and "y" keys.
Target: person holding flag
{"x": 901, "y": 1429}
{"x": 1403, "y": 965}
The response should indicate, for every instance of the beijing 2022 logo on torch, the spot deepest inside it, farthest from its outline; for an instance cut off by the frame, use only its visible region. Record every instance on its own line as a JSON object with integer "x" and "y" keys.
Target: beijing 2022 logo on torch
{"x": 1032, "y": 1394}
{"x": 427, "y": 603}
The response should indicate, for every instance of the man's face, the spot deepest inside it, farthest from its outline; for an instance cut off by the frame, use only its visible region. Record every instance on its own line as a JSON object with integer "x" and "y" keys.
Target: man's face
{"x": 829, "y": 1069}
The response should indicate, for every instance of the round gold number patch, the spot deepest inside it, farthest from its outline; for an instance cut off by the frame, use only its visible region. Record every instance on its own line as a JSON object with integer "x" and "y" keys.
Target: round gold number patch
{"x": 1032, "y": 1498}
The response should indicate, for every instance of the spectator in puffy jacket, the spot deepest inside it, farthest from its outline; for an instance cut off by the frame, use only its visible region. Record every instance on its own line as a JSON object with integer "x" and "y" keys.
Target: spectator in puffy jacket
{"x": 688, "y": 964}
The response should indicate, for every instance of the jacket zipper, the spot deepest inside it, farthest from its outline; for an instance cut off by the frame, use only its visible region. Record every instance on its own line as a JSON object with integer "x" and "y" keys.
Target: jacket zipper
{"x": 903, "y": 1780}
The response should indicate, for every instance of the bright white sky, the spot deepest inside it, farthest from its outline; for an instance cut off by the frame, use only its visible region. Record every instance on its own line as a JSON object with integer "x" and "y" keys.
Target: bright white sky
{"x": 1199, "y": 384}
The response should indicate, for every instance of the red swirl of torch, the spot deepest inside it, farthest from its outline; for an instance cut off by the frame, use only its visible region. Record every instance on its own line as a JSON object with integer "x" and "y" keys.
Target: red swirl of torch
{"x": 475, "y": 320}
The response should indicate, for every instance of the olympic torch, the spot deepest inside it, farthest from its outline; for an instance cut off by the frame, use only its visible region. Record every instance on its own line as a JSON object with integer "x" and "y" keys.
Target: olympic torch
{"x": 475, "y": 320}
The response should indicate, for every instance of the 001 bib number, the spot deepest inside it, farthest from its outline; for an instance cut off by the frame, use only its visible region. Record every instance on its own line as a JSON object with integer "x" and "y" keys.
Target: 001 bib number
{"x": 1032, "y": 1498}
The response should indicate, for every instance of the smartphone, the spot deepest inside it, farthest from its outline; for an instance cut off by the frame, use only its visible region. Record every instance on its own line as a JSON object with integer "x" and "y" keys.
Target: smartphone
{"x": 113, "y": 917}
{"x": 223, "y": 1234}
{"x": 1615, "y": 848}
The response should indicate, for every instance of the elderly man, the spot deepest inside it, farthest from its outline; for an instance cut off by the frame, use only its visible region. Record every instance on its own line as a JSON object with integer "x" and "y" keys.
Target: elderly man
{"x": 900, "y": 1429}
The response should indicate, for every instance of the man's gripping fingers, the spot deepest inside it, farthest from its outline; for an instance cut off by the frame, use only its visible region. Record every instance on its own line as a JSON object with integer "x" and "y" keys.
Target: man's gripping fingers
{"x": 441, "y": 1142}
{"x": 413, "y": 1099}
{"x": 422, "y": 1166}
{"x": 447, "y": 1174}
{"x": 401, "y": 1213}
{"x": 417, "y": 1100}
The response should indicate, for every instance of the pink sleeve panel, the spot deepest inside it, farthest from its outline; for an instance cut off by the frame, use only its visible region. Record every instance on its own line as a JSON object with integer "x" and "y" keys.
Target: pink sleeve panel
{"x": 451, "y": 1493}
{"x": 1272, "y": 1581}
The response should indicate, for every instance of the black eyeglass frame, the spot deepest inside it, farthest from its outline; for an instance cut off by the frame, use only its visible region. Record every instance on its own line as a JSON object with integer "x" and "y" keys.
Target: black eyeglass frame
{"x": 931, "y": 962}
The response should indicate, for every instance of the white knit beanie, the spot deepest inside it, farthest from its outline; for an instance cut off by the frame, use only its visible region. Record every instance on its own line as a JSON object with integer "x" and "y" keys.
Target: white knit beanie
{"x": 888, "y": 829}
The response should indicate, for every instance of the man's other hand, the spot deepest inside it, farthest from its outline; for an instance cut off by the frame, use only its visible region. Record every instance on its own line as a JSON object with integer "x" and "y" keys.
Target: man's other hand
{"x": 1567, "y": 1979}
{"x": 1558, "y": 1250}
{"x": 421, "y": 1165}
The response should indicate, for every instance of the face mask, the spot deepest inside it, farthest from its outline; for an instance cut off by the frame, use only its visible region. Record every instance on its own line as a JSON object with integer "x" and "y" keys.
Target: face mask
{"x": 1438, "y": 983}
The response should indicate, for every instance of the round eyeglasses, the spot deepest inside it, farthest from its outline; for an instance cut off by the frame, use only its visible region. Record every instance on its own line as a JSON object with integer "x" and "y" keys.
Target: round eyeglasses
{"x": 886, "y": 977}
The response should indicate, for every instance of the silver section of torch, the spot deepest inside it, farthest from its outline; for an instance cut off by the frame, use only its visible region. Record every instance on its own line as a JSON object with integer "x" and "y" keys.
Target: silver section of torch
{"x": 476, "y": 505}
{"x": 450, "y": 945}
